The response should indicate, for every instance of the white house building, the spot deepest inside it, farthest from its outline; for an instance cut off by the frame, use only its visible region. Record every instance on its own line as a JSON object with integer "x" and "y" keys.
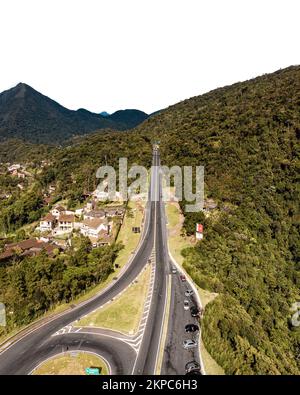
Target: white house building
{"x": 47, "y": 223}
{"x": 92, "y": 227}
{"x": 57, "y": 210}
{"x": 66, "y": 223}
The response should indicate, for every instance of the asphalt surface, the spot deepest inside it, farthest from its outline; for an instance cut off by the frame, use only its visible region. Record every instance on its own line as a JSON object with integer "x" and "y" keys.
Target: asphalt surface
{"x": 22, "y": 356}
{"x": 175, "y": 356}
{"x": 149, "y": 351}
{"x": 29, "y": 351}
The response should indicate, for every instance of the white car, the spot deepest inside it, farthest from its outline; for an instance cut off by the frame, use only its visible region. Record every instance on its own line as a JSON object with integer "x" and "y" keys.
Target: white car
{"x": 189, "y": 292}
{"x": 187, "y": 344}
{"x": 186, "y": 305}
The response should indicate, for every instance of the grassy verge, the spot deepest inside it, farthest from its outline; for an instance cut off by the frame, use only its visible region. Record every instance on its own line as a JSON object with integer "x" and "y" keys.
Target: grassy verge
{"x": 177, "y": 243}
{"x": 72, "y": 364}
{"x": 124, "y": 313}
{"x": 132, "y": 218}
{"x": 211, "y": 366}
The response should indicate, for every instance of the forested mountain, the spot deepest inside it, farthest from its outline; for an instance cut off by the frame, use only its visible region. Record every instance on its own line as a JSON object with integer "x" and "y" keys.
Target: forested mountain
{"x": 130, "y": 118}
{"x": 247, "y": 137}
{"x": 27, "y": 114}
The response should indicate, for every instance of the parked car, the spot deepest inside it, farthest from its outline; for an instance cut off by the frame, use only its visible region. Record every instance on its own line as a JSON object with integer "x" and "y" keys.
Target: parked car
{"x": 174, "y": 270}
{"x": 190, "y": 343}
{"x": 186, "y": 305}
{"x": 196, "y": 371}
{"x": 189, "y": 292}
{"x": 182, "y": 278}
{"x": 191, "y": 328}
{"x": 194, "y": 311}
{"x": 192, "y": 365}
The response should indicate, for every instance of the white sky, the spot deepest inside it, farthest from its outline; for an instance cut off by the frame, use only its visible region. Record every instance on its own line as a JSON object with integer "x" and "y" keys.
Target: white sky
{"x": 145, "y": 54}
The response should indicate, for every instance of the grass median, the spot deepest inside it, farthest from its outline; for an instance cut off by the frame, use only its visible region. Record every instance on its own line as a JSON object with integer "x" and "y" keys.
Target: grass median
{"x": 125, "y": 312}
{"x": 73, "y": 363}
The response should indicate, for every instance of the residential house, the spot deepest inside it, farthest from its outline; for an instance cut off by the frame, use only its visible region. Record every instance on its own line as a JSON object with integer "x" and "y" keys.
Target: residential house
{"x": 79, "y": 212}
{"x": 92, "y": 227}
{"x": 116, "y": 211}
{"x": 103, "y": 239}
{"x": 47, "y": 223}
{"x": 94, "y": 214}
{"x": 29, "y": 247}
{"x": 66, "y": 223}
{"x": 90, "y": 205}
{"x": 57, "y": 211}
{"x": 47, "y": 200}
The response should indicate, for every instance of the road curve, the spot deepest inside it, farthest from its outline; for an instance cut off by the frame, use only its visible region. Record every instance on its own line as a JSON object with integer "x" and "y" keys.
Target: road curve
{"x": 37, "y": 345}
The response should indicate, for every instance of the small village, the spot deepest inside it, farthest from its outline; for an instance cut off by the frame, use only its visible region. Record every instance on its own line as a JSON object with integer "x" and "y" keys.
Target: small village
{"x": 58, "y": 228}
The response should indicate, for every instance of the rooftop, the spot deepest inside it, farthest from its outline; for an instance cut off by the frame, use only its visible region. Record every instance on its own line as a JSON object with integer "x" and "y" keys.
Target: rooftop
{"x": 66, "y": 218}
{"x": 94, "y": 223}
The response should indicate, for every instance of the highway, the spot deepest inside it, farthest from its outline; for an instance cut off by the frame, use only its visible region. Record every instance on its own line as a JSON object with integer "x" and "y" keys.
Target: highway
{"x": 124, "y": 354}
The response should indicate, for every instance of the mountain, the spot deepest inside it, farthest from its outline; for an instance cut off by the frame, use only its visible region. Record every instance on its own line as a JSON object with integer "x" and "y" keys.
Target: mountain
{"x": 130, "y": 118}
{"x": 31, "y": 116}
{"x": 104, "y": 114}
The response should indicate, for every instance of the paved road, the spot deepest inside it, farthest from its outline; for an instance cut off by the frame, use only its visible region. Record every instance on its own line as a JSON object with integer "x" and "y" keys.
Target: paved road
{"x": 25, "y": 354}
{"x": 33, "y": 348}
{"x": 149, "y": 351}
{"x": 175, "y": 356}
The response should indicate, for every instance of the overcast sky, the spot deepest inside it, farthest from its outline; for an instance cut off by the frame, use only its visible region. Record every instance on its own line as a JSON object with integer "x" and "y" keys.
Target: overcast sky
{"x": 145, "y": 54}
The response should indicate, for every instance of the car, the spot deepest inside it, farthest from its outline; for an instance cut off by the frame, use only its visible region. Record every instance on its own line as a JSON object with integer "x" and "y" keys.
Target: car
{"x": 194, "y": 311}
{"x": 189, "y": 292}
{"x": 196, "y": 371}
{"x": 190, "y": 343}
{"x": 186, "y": 305}
{"x": 182, "y": 278}
{"x": 191, "y": 328}
{"x": 174, "y": 270}
{"x": 192, "y": 365}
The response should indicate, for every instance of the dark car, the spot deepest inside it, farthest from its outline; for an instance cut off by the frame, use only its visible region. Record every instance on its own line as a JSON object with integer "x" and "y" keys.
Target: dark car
{"x": 196, "y": 371}
{"x": 195, "y": 311}
{"x": 191, "y": 328}
{"x": 192, "y": 365}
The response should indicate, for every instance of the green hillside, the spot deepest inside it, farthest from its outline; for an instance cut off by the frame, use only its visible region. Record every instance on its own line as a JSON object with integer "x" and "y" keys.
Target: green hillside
{"x": 247, "y": 137}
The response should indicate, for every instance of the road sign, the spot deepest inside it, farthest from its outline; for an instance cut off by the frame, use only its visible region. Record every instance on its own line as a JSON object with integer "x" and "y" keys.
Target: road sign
{"x": 136, "y": 229}
{"x": 92, "y": 371}
{"x": 199, "y": 236}
{"x": 199, "y": 228}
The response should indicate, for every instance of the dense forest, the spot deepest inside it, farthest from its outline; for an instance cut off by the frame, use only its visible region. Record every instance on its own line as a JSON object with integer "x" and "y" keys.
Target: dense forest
{"x": 247, "y": 137}
{"x": 31, "y": 286}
